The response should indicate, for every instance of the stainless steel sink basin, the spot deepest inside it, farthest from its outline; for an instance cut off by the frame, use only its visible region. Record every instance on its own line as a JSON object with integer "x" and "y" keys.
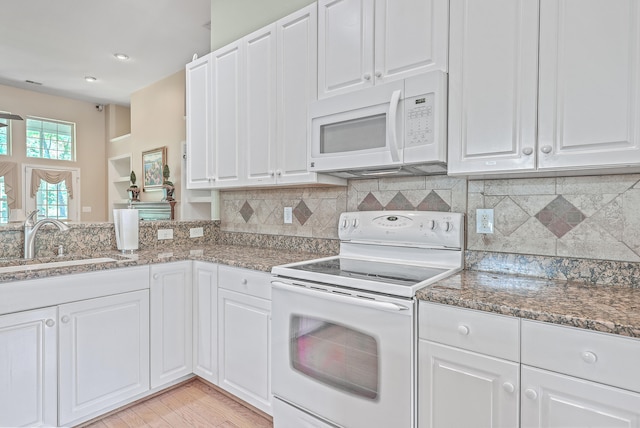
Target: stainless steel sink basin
{"x": 54, "y": 263}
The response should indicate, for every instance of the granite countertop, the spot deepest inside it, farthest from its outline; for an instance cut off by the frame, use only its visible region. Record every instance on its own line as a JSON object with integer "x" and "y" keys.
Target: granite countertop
{"x": 255, "y": 258}
{"x": 608, "y": 309}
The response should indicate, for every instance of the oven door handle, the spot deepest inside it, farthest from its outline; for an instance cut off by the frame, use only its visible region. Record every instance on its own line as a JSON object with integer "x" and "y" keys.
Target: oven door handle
{"x": 350, "y": 299}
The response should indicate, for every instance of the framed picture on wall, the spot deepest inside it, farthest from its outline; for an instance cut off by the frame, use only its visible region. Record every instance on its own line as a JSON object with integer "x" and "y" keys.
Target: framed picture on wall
{"x": 152, "y": 163}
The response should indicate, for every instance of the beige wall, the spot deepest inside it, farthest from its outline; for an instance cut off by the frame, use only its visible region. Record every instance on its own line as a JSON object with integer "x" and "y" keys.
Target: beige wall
{"x": 90, "y": 137}
{"x": 157, "y": 120}
{"x": 232, "y": 19}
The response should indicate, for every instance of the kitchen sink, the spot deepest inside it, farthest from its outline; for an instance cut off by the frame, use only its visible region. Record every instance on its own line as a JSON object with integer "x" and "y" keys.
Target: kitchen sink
{"x": 20, "y": 265}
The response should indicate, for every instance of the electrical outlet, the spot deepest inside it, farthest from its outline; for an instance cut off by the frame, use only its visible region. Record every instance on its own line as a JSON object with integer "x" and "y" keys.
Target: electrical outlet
{"x": 288, "y": 215}
{"x": 165, "y": 233}
{"x": 196, "y": 232}
{"x": 484, "y": 220}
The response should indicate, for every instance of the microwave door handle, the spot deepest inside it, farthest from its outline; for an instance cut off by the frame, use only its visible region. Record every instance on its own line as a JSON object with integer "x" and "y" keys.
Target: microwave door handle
{"x": 392, "y": 130}
{"x": 352, "y": 300}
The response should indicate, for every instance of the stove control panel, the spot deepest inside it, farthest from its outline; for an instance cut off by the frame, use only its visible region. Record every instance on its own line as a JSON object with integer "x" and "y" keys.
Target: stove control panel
{"x": 424, "y": 228}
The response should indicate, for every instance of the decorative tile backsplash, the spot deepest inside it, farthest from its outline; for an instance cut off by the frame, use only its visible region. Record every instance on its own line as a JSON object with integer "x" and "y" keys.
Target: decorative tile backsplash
{"x": 316, "y": 210}
{"x": 594, "y": 217}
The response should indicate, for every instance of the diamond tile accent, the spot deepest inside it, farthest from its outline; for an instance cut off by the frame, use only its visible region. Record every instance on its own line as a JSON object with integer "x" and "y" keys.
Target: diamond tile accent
{"x": 302, "y": 212}
{"x": 433, "y": 202}
{"x": 560, "y": 216}
{"x": 370, "y": 203}
{"x": 246, "y": 211}
{"x": 399, "y": 202}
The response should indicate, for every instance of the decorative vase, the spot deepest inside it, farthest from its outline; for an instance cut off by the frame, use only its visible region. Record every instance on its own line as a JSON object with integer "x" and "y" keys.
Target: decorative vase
{"x": 168, "y": 192}
{"x": 134, "y": 194}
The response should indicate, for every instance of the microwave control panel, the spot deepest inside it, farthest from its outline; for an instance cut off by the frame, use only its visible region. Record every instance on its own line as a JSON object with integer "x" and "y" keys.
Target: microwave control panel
{"x": 419, "y": 120}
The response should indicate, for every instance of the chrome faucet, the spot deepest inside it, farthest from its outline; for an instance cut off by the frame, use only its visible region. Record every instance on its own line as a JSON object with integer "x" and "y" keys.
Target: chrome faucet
{"x": 31, "y": 227}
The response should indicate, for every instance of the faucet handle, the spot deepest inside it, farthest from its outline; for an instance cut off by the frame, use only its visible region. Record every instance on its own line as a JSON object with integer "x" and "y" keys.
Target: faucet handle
{"x": 30, "y": 221}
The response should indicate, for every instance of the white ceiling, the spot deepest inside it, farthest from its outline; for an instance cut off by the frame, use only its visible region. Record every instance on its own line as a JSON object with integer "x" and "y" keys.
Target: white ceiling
{"x": 58, "y": 43}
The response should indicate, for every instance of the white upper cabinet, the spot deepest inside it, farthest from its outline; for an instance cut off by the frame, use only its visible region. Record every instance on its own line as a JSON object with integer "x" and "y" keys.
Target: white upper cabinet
{"x": 589, "y": 113}
{"x": 367, "y": 42}
{"x": 200, "y": 156}
{"x": 259, "y": 104}
{"x": 227, "y": 77}
{"x": 540, "y": 85}
{"x": 493, "y": 63}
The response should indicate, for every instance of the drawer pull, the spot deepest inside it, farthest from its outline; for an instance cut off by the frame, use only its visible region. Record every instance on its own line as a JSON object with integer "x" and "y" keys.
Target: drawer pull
{"x": 589, "y": 357}
{"x": 463, "y": 330}
{"x": 531, "y": 394}
{"x": 244, "y": 281}
{"x": 508, "y": 386}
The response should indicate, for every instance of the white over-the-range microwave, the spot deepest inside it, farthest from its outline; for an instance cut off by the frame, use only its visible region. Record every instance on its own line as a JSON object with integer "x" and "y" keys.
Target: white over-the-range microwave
{"x": 395, "y": 128}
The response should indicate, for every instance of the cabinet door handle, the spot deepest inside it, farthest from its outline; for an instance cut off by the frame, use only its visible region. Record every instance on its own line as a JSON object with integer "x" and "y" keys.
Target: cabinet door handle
{"x": 278, "y": 172}
{"x": 378, "y": 73}
{"x": 156, "y": 276}
{"x": 65, "y": 319}
{"x": 271, "y": 173}
{"x": 509, "y": 387}
{"x": 546, "y": 149}
{"x": 589, "y": 357}
{"x": 531, "y": 394}
{"x": 527, "y": 151}
{"x": 50, "y": 322}
{"x": 367, "y": 76}
{"x": 463, "y": 330}
{"x": 244, "y": 281}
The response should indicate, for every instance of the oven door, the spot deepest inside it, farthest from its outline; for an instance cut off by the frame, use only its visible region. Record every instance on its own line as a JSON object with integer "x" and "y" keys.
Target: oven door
{"x": 346, "y": 359}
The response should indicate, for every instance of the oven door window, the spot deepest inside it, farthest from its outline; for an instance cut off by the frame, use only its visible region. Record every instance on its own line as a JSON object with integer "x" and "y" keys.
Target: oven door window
{"x": 335, "y": 355}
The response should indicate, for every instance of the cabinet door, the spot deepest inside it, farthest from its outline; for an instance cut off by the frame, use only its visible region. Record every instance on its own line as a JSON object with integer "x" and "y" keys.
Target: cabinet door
{"x": 458, "y": 388}
{"x": 345, "y": 46}
{"x": 205, "y": 321}
{"x": 411, "y": 37}
{"x": 200, "y": 156}
{"x": 227, "y": 74}
{"x": 28, "y": 369}
{"x": 103, "y": 353}
{"x": 244, "y": 335}
{"x": 171, "y": 317}
{"x": 552, "y": 400}
{"x": 259, "y": 105}
{"x": 589, "y": 83}
{"x": 297, "y": 87}
{"x": 492, "y": 86}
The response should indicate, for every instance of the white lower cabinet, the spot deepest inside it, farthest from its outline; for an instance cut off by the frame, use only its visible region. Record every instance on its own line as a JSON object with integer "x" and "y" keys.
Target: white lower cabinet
{"x": 171, "y": 322}
{"x": 244, "y": 335}
{"x": 205, "y": 321}
{"x": 551, "y": 400}
{"x": 28, "y": 368}
{"x": 459, "y": 384}
{"x": 453, "y": 379}
{"x": 103, "y": 353}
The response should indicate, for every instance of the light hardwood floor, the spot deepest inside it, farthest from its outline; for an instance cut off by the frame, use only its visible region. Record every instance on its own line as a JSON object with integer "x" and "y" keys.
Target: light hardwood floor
{"x": 194, "y": 404}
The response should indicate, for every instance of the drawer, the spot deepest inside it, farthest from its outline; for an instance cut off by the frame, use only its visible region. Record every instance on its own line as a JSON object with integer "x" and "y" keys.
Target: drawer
{"x": 482, "y": 332}
{"x": 600, "y": 357}
{"x": 245, "y": 281}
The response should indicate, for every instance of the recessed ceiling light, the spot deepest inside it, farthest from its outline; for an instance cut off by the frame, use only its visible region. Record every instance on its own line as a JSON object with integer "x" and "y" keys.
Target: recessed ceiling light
{"x": 90, "y": 78}
{"x": 121, "y": 56}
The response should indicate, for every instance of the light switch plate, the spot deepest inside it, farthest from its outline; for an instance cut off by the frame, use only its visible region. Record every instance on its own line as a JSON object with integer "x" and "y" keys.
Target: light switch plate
{"x": 484, "y": 220}
{"x": 165, "y": 233}
{"x": 288, "y": 215}
{"x": 196, "y": 232}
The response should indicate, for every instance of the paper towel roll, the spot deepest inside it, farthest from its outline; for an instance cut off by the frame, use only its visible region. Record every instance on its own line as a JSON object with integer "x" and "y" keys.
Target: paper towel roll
{"x": 126, "y": 226}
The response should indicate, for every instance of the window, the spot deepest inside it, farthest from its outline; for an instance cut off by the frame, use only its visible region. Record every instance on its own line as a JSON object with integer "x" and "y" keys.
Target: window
{"x": 52, "y": 201}
{"x": 50, "y": 139}
{"x": 57, "y": 194}
{"x": 4, "y": 137}
{"x": 4, "y": 209}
